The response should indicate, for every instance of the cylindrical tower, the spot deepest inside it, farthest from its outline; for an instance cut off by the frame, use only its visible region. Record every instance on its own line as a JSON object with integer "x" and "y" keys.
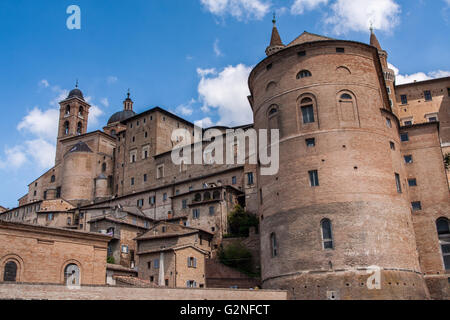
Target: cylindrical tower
{"x": 338, "y": 204}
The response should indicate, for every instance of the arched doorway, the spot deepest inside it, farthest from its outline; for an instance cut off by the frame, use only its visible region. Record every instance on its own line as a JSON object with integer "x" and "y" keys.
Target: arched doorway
{"x": 72, "y": 275}
{"x": 10, "y": 272}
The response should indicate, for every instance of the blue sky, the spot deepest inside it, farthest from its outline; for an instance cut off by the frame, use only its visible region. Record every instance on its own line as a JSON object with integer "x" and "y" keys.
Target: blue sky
{"x": 191, "y": 57}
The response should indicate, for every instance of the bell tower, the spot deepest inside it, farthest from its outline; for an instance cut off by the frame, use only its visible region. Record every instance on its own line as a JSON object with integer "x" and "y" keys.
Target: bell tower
{"x": 73, "y": 119}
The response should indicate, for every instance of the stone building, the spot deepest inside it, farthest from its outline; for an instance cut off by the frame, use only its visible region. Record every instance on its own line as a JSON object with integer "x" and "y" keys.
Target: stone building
{"x": 35, "y": 254}
{"x": 3, "y": 209}
{"x": 172, "y": 255}
{"x": 361, "y": 183}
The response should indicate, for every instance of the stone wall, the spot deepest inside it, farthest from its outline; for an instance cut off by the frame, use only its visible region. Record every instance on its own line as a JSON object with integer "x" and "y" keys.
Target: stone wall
{"x": 55, "y": 292}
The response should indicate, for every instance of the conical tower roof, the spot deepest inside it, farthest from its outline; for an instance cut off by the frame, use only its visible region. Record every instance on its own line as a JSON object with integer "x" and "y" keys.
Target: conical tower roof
{"x": 374, "y": 41}
{"x": 275, "y": 41}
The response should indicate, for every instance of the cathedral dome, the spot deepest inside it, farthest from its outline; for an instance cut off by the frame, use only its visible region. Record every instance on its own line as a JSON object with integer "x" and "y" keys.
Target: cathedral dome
{"x": 121, "y": 116}
{"x": 76, "y": 93}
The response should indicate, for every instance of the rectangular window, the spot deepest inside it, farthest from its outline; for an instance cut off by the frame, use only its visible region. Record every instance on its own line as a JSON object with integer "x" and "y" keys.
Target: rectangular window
{"x": 404, "y": 99}
{"x": 392, "y": 145}
{"x": 192, "y": 262}
{"x": 432, "y": 119}
{"x": 152, "y": 200}
{"x": 388, "y": 123}
{"x": 314, "y": 178}
{"x": 140, "y": 203}
{"x": 145, "y": 177}
{"x": 165, "y": 197}
{"x": 149, "y": 265}
{"x": 340, "y": 50}
{"x": 412, "y": 182}
{"x": 388, "y": 90}
{"x": 250, "y": 180}
{"x": 212, "y": 211}
{"x": 196, "y": 213}
{"x": 160, "y": 172}
{"x": 184, "y": 204}
{"x": 310, "y": 142}
{"x": 233, "y": 180}
{"x": 308, "y": 114}
{"x": 408, "y": 159}
{"x": 407, "y": 123}
{"x": 416, "y": 206}
{"x": 398, "y": 182}
{"x": 404, "y": 137}
{"x": 124, "y": 249}
{"x": 156, "y": 264}
{"x": 303, "y": 53}
{"x": 132, "y": 181}
{"x": 428, "y": 96}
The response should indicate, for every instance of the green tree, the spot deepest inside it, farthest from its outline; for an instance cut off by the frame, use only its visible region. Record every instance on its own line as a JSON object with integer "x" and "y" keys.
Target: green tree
{"x": 237, "y": 256}
{"x": 110, "y": 260}
{"x": 240, "y": 221}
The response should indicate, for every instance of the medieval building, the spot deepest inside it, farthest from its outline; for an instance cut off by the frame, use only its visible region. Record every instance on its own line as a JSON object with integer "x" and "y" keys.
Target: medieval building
{"x": 362, "y": 183}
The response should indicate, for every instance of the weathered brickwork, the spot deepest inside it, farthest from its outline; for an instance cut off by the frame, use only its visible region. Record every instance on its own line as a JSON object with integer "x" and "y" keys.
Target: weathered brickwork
{"x": 42, "y": 254}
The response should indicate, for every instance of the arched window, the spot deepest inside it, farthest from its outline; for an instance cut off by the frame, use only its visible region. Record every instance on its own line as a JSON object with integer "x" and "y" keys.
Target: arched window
{"x": 273, "y": 111}
{"x": 304, "y": 74}
{"x": 327, "y": 234}
{"x": 198, "y": 197}
{"x": 443, "y": 229}
{"x": 273, "y": 245}
{"x": 66, "y": 128}
{"x": 80, "y": 111}
{"x": 104, "y": 167}
{"x": 271, "y": 85}
{"x": 67, "y": 110}
{"x": 346, "y": 96}
{"x": 79, "y": 128}
{"x": 207, "y": 196}
{"x": 52, "y": 179}
{"x": 72, "y": 275}
{"x": 307, "y": 108}
{"x": 10, "y": 272}
{"x": 216, "y": 195}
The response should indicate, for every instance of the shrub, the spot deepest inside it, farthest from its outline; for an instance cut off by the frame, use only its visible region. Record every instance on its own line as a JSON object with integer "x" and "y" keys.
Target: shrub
{"x": 110, "y": 260}
{"x": 238, "y": 257}
{"x": 240, "y": 221}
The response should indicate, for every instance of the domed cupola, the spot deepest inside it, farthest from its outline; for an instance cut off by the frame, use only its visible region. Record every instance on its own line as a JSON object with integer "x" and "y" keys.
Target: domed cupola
{"x": 126, "y": 113}
{"x": 76, "y": 93}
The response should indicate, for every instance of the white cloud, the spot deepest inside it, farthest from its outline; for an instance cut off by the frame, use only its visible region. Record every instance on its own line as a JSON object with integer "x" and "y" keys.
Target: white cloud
{"x": 186, "y": 109}
{"x": 217, "y": 49}
{"x": 44, "y": 83}
{"x": 42, "y": 152}
{"x": 204, "y": 123}
{"x": 112, "y": 79}
{"x": 300, "y": 6}
{"x": 350, "y": 15}
{"x": 419, "y": 76}
{"x": 105, "y": 102}
{"x": 40, "y": 123}
{"x": 226, "y": 92}
{"x": 15, "y": 158}
{"x": 239, "y": 9}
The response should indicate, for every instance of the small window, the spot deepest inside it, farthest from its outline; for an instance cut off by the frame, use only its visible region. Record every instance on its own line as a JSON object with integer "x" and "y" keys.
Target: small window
{"x": 398, "y": 183}
{"x": 184, "y": 204}
{"x": 156, "y": 264}
{"x": 340, "y": 50}
{"x": 212, "y": 211}
{"x": 448, "y": 91}
{"x": 192, "y": 262}
{"x": 273, "y": 111}
{"x": 52, "y": 179}
{"x": 388, "y": 90}
{"x": 392, "y": 145}
{"x": 165, "y": 197}
{"x": 104, "y": 167}
{"x": 145, "y": 177}
{"x": 404, "y": 137}
{"x": 432, "y": 119}
{"x": 416, "y": 206}
{"x": 346, "y": 96}
{"x": 233, "y": 180}
{"x": 149, "y": 265}
{"x": 132, "y": 181}
{"x": 250, "y": 180}
{"x": 10, "y": 272}
{"x": 408, "y": 159}
{"x": 308, "y": 114}
{"x": 404, "y": 99}
{"x": 269, "y": 66}
{"x": 314, "y": 178}
{"x": 408, "y": 123}
{"x": 311, "y": 142}
{"x": 163, "y": 229}
{"x": 124, "y": 249}
{"x": 428, "y": 96}
{"x": 273, "y": 245}
{"x": 388, "y": 123}
{"x": 304, "y": 74}
{"x": 196, "y": 213}
{"x": 327, "y": 235}
{"x": 412, "y": 182}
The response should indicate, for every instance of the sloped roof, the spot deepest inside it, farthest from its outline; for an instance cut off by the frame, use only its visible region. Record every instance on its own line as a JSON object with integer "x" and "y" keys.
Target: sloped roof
{"x": 173, "y": 230}
{"x": 308, "y": 37}
{"x": 275, "y": 40}
{"x": 80, "y": 147}
{"x": 58, "y": 205}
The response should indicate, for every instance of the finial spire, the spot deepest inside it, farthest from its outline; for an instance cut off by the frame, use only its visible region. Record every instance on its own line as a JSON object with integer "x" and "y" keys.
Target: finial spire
{"x": 128, "y": 94}
{"x": 274, "y": 21}
{"x": 76, "y": 84}
{"x": 371, "y": 27}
